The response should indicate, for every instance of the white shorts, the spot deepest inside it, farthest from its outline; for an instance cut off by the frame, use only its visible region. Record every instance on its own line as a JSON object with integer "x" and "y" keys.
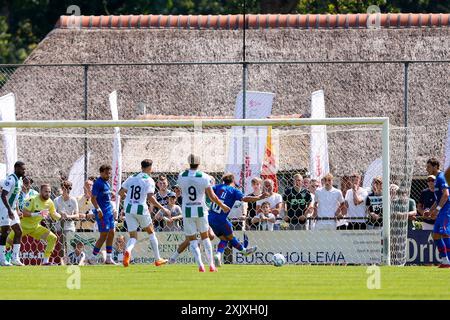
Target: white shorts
{"x": 5, "y": 220}
{"x": 195, "y": 225}
{"x": 137, "y": 220}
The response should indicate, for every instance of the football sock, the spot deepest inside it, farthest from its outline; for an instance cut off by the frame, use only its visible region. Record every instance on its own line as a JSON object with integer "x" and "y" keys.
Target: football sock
{"x": 130, "y": 244}
{"x": 196, "y": 252}
{"x": 447, "y": 248}
{"x": 221, "y": 246}
{"x": 95, "y": 251}
{"x": 16, "y": 251}
{"x": 208, "y": 250}
{"x": 2, "y": 253}
{"x": 442, "y": 250}
{"x": 236, "y": 244}
{"x": 154, "y": 244}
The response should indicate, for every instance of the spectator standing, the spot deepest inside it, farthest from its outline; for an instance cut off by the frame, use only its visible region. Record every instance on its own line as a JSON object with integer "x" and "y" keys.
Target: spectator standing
{"x": 251, "y": 206}
{"x": 265, "y": 219}
{"x": 162, "y": 196}
{"x": 401, "y": 203}
{"x": 313, "y": 186}
{"x": 275, "y": 200}
{"x": 346, "y": 184}
{"x": 176, "y": 188}
{"x": 298, "y": 203}
{"x": 374, "y": 204}
{"x": 306, "y": 182}
{"x": 329, "y": 203}
{"x": 85, "y": 207}
{"x": 355, "y": 201}
{"x": 67, "y": 207}
{"x": 172, "y": 220}
{"x": 426, "y": 201}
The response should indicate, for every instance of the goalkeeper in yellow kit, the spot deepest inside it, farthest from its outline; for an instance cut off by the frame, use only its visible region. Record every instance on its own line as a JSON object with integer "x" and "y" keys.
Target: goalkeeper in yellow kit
{"x": 36, "y": 209}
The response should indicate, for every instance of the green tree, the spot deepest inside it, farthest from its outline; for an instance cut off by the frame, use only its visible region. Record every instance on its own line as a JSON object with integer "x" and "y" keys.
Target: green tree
{"x": 15, "y": 48}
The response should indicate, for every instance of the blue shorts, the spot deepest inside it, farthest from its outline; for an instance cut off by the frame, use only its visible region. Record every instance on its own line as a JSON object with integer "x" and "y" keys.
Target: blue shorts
{"x": 106, "y": 224}
{"x": 442, "y": 224}
{"x": 220, "y": 226}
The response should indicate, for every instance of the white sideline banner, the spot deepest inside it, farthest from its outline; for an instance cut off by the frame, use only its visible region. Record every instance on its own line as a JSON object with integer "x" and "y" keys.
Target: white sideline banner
{"x": 117, "y": 151}
{"x": 313, "y": 247}
{"x": 299, "y": 247}
{"x": 319, "y": 165}
{"x": 249, "y": 151}
{"x": 8, "y": 113}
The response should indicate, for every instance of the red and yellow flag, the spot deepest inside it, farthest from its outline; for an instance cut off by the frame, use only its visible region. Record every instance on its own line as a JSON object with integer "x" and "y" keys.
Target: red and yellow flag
{"x": 269, "y": 169}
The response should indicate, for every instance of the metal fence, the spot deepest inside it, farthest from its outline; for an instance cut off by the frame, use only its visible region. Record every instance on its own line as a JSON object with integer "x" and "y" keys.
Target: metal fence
{"x": 402, "y": 90}
{"x": 411, "y": 93}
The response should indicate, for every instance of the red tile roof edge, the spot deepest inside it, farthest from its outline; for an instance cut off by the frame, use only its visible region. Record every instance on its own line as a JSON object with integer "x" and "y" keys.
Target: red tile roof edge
{"x": 259, "y": 21}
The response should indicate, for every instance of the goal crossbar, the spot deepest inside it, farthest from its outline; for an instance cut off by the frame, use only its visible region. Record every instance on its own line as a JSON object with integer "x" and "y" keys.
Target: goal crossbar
{"x": 48, "y": 124}
{"x": 278, "y": 122}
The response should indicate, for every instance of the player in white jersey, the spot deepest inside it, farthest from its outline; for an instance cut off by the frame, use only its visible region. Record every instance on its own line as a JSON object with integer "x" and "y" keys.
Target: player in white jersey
{"x": 139, "y": 188}
{"x": 194, "y": 185}
{"x": 9, "y": 214}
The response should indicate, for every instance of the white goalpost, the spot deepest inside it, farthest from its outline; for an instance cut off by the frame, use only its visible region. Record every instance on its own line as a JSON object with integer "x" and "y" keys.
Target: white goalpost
{"x": 205, "y": 124}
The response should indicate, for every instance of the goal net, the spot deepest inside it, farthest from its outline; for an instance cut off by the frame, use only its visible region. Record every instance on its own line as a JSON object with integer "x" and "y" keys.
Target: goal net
{"x": 310, "y": 217}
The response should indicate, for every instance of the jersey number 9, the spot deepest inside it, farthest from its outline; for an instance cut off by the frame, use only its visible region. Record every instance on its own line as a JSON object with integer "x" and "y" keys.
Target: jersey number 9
{"x": 192, "y": 193}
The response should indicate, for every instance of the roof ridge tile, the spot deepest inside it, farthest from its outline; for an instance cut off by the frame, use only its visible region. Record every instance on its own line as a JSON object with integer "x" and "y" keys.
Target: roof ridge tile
{"x": 265, "y": 21}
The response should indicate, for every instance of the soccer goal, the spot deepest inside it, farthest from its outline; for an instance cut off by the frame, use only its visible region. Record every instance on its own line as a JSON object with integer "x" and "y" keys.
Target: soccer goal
{"x": 276, "y": 149}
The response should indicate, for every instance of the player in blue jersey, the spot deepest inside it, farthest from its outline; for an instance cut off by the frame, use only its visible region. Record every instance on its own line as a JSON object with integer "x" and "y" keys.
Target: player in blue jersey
{"x": 441, "y": 212}
{"x": 218, "y": 220}
{"x": 103, "y": 211}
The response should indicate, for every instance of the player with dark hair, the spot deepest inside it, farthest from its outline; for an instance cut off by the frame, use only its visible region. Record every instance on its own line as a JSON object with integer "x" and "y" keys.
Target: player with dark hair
{"x": 218, "y": 219}
{"x": 195, "y": 186}
{"x": 137, "y": 190}
{"x": 9, "y": 217}
{"x": 103, "y": 211}
{"x": 441, "y": 210}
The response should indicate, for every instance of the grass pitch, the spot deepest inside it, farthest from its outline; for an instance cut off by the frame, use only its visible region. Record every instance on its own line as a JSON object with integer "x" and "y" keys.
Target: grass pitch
{"x": 184, "y": 282}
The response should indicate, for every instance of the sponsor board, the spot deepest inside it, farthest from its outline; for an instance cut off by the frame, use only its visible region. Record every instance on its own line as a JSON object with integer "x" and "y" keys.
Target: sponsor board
{"x": 421, "y": 248}
{"x": 299, "y": 247}
{"x": 142, "y": 252}
{"x": 314, "y": 247}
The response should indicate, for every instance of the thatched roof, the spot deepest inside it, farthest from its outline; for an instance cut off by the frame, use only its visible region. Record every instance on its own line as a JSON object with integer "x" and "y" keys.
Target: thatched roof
{"x": 351, "y": 90}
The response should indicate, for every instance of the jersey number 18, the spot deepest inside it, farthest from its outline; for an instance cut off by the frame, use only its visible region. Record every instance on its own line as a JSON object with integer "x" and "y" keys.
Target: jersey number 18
{"x": 135, "y": 192}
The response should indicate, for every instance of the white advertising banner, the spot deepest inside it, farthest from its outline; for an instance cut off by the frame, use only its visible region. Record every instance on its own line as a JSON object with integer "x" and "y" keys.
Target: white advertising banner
{"x": 313, "y": 247}
{"x": 248, "y": 144}
{"x": 319, "y": 165}
{"x": 299, "y": 247}
{"x": 117, "y": 151}
{"x": 8, "y": 113}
